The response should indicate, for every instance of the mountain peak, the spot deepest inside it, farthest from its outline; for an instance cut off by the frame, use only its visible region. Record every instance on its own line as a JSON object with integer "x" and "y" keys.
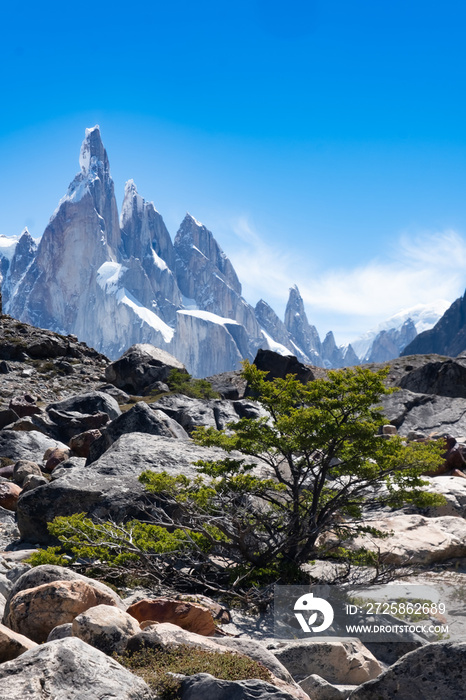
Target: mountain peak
{"x": 189, "y": 219}
{"x": 92, "y": 155}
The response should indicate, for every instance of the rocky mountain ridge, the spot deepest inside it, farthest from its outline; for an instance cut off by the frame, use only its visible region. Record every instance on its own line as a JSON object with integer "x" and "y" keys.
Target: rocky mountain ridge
{"x": 116, "y": 280}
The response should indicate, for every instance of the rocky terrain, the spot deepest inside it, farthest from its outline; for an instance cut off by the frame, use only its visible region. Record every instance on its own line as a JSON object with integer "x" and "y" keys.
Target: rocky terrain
{"x": 76, "y": 430}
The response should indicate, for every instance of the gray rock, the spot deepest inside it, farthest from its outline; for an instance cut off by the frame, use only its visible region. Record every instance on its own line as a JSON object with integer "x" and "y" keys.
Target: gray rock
{"x": 61, "y": 632}
{"x": 105, "y": 627}
{"x": 8, "y": 529}
{"x": 319, "y": 689}
{"x": 425, "y": 413}
{"x": 447, "y": 378}
{"x": 140, "y": 366}
{"x": 29, "y": 445}
{"x": 347, "y": 662}
{"x": 190, "y": 412}
{"x": 88, "y": 403}
{"x": 24, "y": 468}
{"x": 230, "y": 385}
{"x": 205, "y": 686}
{"x": 434, "y": 671}
{"x": 211, "y": 413}
{"x": 108, "y": 488}
{"x": 65, "y": 466}
{"x": 280, "y": 365}
{"x": 119, "y": 395}
{"x": 139, "y": 419}
{"x": 389, "y": 652}
{"x": 7, "y": 416}
{"x": 69, "y": 668}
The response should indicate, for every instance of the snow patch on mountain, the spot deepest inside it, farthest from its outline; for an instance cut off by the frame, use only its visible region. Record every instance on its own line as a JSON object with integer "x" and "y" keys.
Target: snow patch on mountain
{"x": 109, "y": 275}
{"x": 209, "y": 316}
{"x": 273, "y": 345}
{"x": 158, "y": 262}
{"x": 124, "y": 297}
{"x": 7, "y": 246}
{"x": 424, "y": 316}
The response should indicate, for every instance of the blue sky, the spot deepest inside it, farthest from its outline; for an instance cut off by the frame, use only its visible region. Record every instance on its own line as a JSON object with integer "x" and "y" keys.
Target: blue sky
{"x": 323, "y": 143}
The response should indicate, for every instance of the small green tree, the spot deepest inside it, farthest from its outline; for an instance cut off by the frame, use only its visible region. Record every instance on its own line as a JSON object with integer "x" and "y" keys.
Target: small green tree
{"x": 302, "y": 471}
{"x": 325, "y": 459}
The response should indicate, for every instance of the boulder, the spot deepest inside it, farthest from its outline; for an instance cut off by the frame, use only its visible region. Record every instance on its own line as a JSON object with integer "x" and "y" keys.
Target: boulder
{"x": 23, "y": 468}
{"x": 139, "y": 419}
{"x": 189, "y": 616}
{"x": 69, "y": 668}
{"x": 434, "y": 671}
{"x": 9, "y": 494}
{"x": 427, "y": 414}
{"x": 109, "y": 487}
{"x": 70, "y": 423}
{"x": 447, "y": 378}
{"x": 80, "y": 444}
{"x": 61, "y": 632}
{"x": 33, "y": 481}
{"x": 23, "y": 406}
{"x": 7, "y": 416}
{"x": 346, "y": 662}
{"x": 205, "y": 686}
{"x": 211, "y": 413}
{"x": 88, "y": 403}
{"x": 105, "y": 627}
{"x": 319, "y": 689}
{"x": 453, "y": 489}
{"x": 230, "y": 385}
{"x": 118, "y": 394}
{"x": 47, "y": 573}
{"x": 34, "y": 612}
{"x": 139, "y": 367}
{"x": 54, "y": 457}
{"x": 167, "y": 634}
{"x": 417, "y": 539}
{"x": 29, "y": 445}
{"x": 13, "y": 644}
{"x": 278, "y": 366}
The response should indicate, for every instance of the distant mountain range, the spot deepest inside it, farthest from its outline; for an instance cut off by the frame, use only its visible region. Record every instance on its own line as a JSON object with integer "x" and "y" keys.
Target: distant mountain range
{"x": 118, "y": 279}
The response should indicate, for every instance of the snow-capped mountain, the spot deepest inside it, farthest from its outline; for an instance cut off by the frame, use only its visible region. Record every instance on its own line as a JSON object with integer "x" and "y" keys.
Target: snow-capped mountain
{"x": 115, "y": 280}
{"x": 390, "y": 337}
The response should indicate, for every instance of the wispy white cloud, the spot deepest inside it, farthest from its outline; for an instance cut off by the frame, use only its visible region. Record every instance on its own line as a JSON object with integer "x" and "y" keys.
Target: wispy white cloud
{"x": 417, "y": 269}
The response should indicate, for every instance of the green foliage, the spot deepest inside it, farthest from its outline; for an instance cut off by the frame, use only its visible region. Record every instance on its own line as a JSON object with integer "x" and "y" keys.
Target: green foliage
{"x": 51, "y": 555}
{"x": 325, "y": 458}
{"x": 291, "y": 488}
{"x": 182, "y": 383}
{"x": 155, "y": 665}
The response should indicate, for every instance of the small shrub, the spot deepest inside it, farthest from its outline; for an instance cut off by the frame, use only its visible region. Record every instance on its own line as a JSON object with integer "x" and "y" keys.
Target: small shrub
{"x": 182, "y": 383}
{"x": 156, "y": 665}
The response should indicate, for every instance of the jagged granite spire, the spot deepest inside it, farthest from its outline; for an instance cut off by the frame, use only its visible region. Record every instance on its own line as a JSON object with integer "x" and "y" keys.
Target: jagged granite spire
{"x": 84, "y": 232}
{"x": 144, "y": 237}
{"x": 276, "y": 329}
{"x": 207, "y": 277}
{"x": 198, "y": 251}
{"x": 302, "y": 333}
{"x": 23, "y": 256}
{"x": 143, "y": 231}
